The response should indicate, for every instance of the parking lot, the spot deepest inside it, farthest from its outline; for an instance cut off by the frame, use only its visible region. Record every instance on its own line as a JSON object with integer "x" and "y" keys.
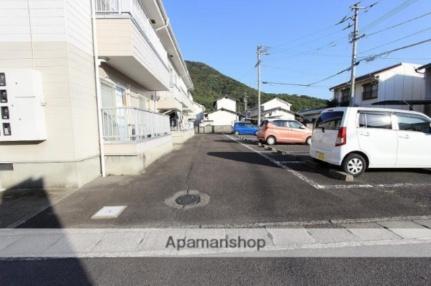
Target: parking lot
{"x": 324, "y": 176}
{"x": 246, "y": 185}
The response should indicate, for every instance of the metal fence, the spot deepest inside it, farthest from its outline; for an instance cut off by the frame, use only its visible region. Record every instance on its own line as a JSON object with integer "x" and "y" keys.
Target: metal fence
{"x": 127, "y": 124}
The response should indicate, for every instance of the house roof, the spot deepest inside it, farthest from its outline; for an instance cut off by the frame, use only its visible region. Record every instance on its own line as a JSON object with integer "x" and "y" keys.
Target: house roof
{"x": 311, "y": 111}
{"x": 279, "y": 99}
{"x": 278, "y": 108}
{"x": 427, "y": 66}
{"x": 404, "y": 102}
{"x": 366, "y": 76}
{"x": 227, "y": 110}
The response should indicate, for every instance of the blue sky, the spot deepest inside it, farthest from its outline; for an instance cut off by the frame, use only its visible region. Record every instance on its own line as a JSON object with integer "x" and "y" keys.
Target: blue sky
{"x": 305, "y": 44}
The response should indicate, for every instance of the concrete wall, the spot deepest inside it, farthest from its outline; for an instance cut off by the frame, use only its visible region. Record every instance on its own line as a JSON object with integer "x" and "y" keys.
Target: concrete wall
{"x": 53, "y": 37}
{"x": 212, "y": 129}
{"x": 132, "y": 159}
{"x": 222, "y": 117}
{"x": 180, "y": 137}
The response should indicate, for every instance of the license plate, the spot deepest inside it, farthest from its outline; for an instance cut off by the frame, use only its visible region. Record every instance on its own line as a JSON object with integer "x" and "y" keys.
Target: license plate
{"x": 320, "y": 156}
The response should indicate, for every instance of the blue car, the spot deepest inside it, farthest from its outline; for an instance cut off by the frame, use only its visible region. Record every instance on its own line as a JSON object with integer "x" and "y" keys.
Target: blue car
{"x": 244, "y": 128}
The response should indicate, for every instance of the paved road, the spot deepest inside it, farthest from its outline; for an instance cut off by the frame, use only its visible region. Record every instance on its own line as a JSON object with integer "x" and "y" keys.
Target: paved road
{"x": 245, "y": 185}
{"x": 186, "y": 271}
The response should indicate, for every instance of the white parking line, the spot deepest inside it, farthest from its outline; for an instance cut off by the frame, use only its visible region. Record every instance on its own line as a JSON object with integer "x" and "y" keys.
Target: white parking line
{"x": 277, "y": 163}
{"x": 328, "y": 187}
{"x": 369, "y": 186}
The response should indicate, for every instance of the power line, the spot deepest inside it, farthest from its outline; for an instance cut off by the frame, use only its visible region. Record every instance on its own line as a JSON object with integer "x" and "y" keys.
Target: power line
{"x": 397, "y": 25}
{"x": 399, "y": 39}
{"x": 292, "y": 84}
{"x": 308, "y": 35}
{"x": 390, "y": 14}
{"x": 373, "y": 57}
{"x": 365, "y": 59}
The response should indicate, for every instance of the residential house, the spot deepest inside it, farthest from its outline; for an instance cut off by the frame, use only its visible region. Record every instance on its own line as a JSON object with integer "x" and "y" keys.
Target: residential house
{"x": 105, "y": 88}
{"x": 401, "y": 82}
{"x": 275, "y": 108}
{"x": 224, "y": 117}
{"x": 426, "y": 70}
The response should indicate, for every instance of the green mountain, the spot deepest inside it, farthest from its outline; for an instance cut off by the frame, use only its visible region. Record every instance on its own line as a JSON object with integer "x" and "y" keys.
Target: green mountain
{"x": 210, "y": 85}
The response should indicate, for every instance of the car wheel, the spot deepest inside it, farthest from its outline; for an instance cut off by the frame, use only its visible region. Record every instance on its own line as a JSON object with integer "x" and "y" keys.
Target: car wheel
{"x": 354, "y": 164}
{"x": 308, "y": 141}
{"x": 236, "y": 133}
{"x": 271, "y": 140}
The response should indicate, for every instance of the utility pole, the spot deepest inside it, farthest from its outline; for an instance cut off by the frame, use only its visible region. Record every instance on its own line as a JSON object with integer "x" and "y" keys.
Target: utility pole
{"x": 245, "y": 103}
{"x": 260, "y": 51}
{"x": 355, "y": 37}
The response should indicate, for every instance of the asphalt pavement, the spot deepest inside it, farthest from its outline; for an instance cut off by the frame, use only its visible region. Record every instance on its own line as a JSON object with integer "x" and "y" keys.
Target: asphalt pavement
{"x": 245, "y": 185}
{"x": 216, "y": 271}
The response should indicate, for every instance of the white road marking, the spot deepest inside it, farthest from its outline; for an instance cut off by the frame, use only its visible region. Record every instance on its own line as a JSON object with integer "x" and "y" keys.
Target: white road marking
{"x": 109, "y": 212}
{"x": 277, "y": 163}
{"x": 329, "y": 187}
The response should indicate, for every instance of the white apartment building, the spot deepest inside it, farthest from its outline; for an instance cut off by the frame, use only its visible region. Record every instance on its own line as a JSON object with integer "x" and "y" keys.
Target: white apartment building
{"x": 88, "y": 88}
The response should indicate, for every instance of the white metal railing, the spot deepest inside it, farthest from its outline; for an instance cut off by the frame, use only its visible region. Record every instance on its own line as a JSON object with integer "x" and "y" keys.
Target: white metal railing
{"x": 135, "y": 10}
{"x": 128, "y": 124}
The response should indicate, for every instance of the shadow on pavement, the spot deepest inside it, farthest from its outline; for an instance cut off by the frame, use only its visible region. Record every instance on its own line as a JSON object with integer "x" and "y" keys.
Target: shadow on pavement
{"x": 245, "y": 157}
{"x": 12, "y": 201}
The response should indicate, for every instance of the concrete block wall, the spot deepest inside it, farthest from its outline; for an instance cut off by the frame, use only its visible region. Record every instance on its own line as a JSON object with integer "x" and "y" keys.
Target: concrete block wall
{"x": 132, "y": 159}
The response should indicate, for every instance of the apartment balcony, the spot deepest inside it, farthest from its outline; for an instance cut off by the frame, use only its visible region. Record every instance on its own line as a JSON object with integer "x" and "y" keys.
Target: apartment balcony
{"x": 127, "y": 40}
{"x": 133, "y": 125}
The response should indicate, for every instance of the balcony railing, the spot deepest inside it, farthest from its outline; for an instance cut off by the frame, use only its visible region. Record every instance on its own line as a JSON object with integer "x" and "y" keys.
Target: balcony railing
{"x": 133, "y": 125}
{"x": 133, "y": 8}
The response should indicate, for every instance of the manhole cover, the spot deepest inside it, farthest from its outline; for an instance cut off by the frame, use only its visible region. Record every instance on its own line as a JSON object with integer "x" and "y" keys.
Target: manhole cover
{"x": 188, "y": 199}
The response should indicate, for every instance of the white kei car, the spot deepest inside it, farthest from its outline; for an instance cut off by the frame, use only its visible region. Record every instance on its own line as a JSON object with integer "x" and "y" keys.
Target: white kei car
{"x": 358, "y": 138}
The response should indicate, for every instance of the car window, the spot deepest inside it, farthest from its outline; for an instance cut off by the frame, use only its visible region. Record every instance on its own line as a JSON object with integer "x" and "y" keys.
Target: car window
{"x": 330, "y": 120}
{"x": 280, "y": 123}
{"x": 379, "y": 120}
{"x": 409, "y": 122}
{"x": 295, "y": 124}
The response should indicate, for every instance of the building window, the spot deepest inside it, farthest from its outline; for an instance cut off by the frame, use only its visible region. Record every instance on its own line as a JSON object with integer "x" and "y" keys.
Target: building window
{"x": 345, "y": 97}
{"x": 370, "y": 90}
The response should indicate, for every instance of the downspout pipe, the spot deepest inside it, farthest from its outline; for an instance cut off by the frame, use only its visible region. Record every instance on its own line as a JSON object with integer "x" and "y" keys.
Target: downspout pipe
{"x": 98, "y": 90}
